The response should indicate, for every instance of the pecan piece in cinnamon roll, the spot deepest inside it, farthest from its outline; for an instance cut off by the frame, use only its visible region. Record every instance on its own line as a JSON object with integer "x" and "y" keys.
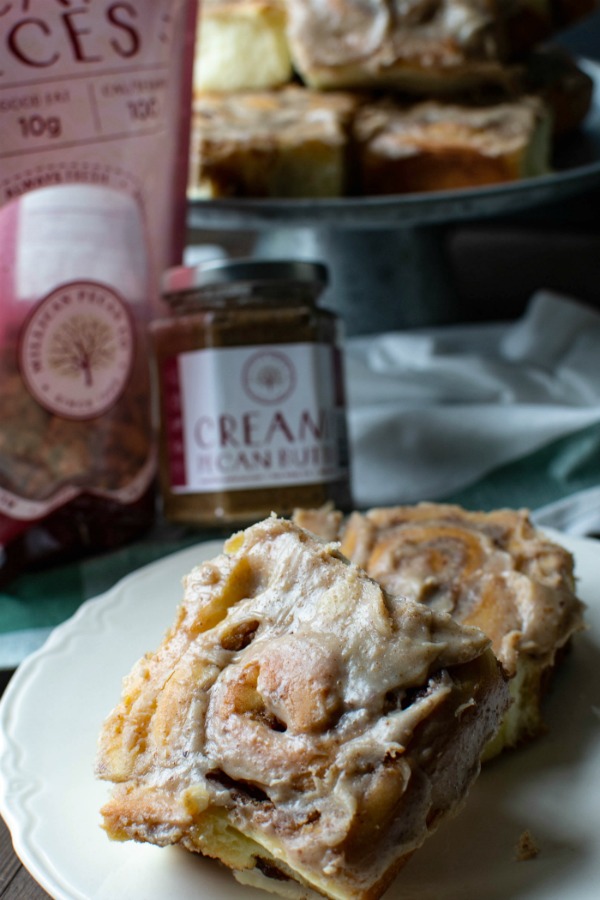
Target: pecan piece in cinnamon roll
{"x": 298, "y": 722}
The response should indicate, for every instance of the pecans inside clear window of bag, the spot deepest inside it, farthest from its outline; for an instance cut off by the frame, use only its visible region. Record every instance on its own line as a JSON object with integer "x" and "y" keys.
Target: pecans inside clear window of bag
{"x": 77, "y": 456}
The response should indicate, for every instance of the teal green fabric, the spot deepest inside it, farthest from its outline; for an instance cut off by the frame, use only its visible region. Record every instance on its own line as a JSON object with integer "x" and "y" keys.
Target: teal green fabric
{"x": 40, "y": 600}
{"x": 557, "y": 470}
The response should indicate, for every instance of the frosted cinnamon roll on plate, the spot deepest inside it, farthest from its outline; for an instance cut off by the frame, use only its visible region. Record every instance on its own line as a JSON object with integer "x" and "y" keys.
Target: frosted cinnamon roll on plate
{"x": 493, "y": 570}
{"x": 298, "y": 723}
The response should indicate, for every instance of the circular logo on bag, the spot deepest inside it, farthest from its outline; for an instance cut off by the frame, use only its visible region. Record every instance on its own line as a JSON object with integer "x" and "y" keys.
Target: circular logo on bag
{"x": 269, "y": 376}
{"x": 76, "y": 350}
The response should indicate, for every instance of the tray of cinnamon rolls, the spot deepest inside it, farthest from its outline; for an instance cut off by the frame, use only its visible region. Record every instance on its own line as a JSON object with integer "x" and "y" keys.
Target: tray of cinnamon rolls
{"x": 324, "y": 100}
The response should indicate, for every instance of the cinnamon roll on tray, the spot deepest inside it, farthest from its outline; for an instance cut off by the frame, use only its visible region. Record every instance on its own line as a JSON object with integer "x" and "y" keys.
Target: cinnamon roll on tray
{"x": 354, "y": 98}
{"x": 493, "y": 570}
{"x": 299, "y": 723}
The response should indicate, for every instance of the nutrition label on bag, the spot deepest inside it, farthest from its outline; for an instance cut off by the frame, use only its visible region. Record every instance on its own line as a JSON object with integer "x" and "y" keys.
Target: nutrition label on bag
{"x": 90, "y": 109}
{"x": 105, "y": 73}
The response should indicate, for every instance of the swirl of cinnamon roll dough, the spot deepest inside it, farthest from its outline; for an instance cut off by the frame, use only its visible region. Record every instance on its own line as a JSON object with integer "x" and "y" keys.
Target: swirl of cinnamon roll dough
{"x": 493, "y": 570}
{"x": 268, "y": 710}
{"x": 428, "y": 562}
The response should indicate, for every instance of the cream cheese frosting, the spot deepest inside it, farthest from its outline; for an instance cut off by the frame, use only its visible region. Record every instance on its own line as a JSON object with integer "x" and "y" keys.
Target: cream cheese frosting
{"x": 494, "y": 570}
{"x": 371, "y": 41}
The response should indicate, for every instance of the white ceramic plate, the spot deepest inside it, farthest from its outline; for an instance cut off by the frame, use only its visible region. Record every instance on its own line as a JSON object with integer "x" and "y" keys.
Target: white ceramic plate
{"x": 54, "y": 706}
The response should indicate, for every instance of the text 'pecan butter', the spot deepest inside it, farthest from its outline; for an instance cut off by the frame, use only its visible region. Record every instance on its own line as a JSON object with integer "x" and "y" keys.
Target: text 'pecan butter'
{"x": 251, "y": 392}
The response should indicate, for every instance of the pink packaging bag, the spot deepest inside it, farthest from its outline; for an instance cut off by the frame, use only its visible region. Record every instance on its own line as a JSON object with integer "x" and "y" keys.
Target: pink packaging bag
{"x": 95, "y": 101}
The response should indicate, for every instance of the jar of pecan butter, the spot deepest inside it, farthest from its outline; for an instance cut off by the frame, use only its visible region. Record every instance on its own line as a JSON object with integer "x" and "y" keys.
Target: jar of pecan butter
{"x": 251, "y": 393}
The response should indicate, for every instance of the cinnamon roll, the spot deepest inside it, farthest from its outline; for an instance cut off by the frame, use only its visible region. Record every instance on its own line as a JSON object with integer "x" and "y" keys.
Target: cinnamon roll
{"x": 424, "y": 46}
{"x": 298, "y": 722}
{"x": 291, "y": 142}
{"x": 432, "y": 146}
{"x": 493, "y": 570}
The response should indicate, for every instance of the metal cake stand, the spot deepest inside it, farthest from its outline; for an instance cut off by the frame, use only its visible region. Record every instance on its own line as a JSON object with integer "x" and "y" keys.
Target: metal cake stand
{"x": 387, "y": 255}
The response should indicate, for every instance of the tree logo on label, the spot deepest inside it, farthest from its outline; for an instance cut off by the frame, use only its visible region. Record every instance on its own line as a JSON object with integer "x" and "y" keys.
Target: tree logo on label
{"x": 269, "y": 376}
{"x": 76, "y": 350}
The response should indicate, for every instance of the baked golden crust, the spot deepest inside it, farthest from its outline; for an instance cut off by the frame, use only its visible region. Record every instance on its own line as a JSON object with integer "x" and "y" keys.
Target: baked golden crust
{"x": 297, "y": 722}
{"x": 287, "y": 143}
{"x": 493, "y": 570}
{"x": 437, "y": 146}
{"x": 241, "y": 45}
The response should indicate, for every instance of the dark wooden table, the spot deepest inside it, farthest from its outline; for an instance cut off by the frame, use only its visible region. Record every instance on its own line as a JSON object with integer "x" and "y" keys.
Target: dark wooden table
{"x": 15, "y": 881}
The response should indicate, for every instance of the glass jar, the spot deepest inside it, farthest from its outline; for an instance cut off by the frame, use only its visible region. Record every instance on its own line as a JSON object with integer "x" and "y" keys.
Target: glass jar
{"x": 251, "y": 393}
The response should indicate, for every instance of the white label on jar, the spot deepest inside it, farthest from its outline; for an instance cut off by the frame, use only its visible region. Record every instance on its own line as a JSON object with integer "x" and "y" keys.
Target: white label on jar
{"x": 254, "y": 417}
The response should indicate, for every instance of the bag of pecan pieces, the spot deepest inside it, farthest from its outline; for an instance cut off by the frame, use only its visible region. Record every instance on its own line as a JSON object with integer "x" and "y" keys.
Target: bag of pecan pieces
{"x": 95, "y": 100}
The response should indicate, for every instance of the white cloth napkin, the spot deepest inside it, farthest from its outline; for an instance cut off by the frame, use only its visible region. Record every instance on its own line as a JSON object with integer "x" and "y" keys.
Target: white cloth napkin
{"x": 431, "y": 412}
{"x": 578, "y": 514}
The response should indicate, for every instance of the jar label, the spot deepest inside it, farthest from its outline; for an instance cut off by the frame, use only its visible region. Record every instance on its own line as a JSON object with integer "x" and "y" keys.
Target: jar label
{"x": 254, "y": 417}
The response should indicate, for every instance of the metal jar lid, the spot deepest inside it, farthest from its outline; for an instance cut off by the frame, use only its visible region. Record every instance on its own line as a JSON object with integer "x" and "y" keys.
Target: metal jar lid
{"x": 228, "y": 271}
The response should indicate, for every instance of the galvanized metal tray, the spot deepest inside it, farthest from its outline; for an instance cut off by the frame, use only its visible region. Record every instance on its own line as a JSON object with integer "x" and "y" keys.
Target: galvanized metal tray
{"x": 576, "y": 169}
